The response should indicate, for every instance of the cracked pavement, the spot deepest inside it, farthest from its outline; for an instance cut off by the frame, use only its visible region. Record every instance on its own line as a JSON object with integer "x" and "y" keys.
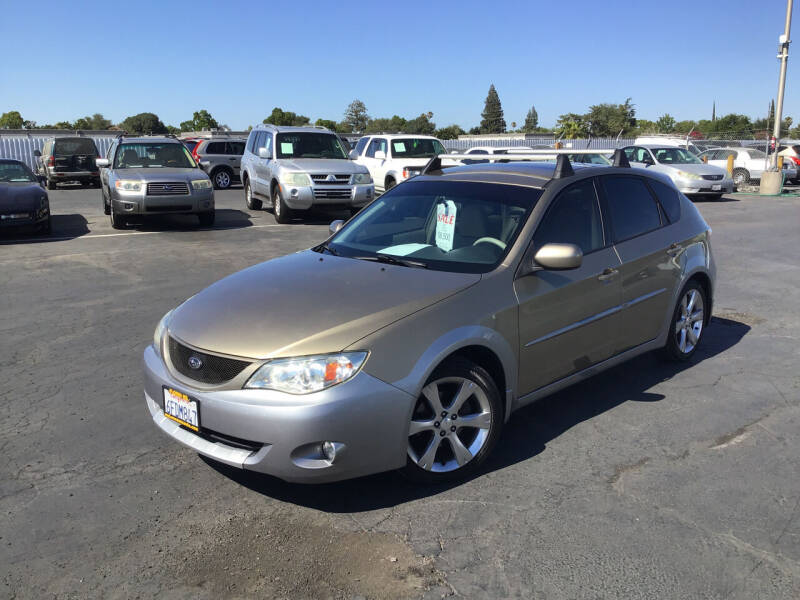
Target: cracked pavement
{"x": 647, "y": 481}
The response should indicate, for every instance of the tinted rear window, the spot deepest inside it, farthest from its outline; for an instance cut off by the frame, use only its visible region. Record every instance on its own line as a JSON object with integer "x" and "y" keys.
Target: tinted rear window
{"x": 633, "y": 209}
{"x": 76, "y": 146}
{"x": 215, "y": 148}
{"x": 669, "y": 199}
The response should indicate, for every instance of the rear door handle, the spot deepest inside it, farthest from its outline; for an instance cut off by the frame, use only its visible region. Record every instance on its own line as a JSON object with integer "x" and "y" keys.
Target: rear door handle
{"x": 607, "y": 273}
{"x": 674, "y": 249}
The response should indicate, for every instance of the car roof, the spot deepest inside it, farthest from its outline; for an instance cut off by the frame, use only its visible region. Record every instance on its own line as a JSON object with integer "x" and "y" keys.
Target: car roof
{"x": 651, "y": 146}
{"x": 12, "y": 160}
{"x": 150, "y": 139}
{"x": 293, "y": 129}
{"x": 392, "y": 136}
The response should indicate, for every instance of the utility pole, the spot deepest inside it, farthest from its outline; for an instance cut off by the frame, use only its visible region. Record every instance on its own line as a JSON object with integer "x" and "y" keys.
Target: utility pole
{"x": 783, "y": 55}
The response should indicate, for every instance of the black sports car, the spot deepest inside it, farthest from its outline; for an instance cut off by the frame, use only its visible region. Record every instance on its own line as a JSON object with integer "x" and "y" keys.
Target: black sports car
{"x": 23, "y": 201}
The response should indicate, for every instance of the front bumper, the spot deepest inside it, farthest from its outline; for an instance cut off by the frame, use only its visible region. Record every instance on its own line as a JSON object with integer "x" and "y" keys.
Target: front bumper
{"x": 303, "y": 198}
{"x": 137, "y": 204}
{"x": 30, "y": 218}
{"x": 366, "y": 417}
{"x": 699, "y": 187}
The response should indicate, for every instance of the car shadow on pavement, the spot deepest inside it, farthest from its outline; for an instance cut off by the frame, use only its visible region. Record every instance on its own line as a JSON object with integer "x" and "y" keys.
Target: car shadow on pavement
{"x": 525, "y": 436}
{"x": 64, "y": 227}
{"x": 226, "y": 218}
{"x": 702, "y": 200}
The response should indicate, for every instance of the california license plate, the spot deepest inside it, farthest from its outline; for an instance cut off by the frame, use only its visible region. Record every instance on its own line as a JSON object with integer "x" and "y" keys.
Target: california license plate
{"x": 716, "y": 188}
{"x": 181, "y": 409}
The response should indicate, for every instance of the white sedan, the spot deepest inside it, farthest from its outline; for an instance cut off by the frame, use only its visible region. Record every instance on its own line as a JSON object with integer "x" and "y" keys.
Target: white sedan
{"x": 748, "y": 163}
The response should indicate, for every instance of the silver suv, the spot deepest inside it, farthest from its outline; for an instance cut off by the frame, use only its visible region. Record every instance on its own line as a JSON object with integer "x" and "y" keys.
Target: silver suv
{"x": 151, "y": 176}
{"x": 296, "y": 168}
{"x": 221, "y": 159}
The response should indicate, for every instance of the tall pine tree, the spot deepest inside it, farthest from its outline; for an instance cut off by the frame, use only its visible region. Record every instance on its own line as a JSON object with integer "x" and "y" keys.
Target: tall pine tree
{"x": 531, "y": 121}
{"x": 492, "y": 121}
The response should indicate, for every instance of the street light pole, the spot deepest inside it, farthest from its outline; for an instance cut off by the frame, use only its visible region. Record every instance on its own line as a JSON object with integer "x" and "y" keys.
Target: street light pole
{"x": 783, "y": 55}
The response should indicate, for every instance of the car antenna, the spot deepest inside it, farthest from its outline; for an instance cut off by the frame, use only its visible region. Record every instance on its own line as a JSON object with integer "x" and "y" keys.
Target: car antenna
{"x": 563, "y": 167}
{"x": 621, "y": 159}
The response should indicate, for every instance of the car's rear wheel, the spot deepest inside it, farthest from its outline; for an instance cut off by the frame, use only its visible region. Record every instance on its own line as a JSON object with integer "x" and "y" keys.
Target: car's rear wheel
{"x": 222, "y": 179}
{"x": 741, "y": 176}
{"x": 281, "y": 212}
{"x": 455, "y": 423}
{"x": 251, "y": 202}
{"x": 688, "y": 323}
{"x": 207, "y": 218}
{"x": 51, "y": 184}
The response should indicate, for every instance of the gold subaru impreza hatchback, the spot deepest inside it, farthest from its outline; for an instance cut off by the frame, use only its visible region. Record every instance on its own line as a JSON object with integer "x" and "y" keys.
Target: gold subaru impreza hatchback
{"x": 409, "y": 337}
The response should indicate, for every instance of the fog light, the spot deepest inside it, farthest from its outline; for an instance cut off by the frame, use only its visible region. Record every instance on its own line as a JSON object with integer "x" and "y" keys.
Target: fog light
{"x": 369, "y": 194}
{"x": 127, "y": 205}
{"x": 329, "y": 451}
{"x": 294, "y": 193}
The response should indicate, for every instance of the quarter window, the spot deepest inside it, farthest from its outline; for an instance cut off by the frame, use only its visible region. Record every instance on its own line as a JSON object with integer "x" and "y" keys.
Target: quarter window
{"x": 234, "y": 148}
{"x": 632, "y": 208}
{"x": 573, "y": 218}
{"x": 669, "y": 199}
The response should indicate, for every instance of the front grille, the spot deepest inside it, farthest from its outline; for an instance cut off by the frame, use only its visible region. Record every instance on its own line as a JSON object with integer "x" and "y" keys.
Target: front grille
{"x": 168, "y": 208}
{"x": 337, "y": 194}
{"x": 228, "y": 440}
{"x": 176, "y": 188}
{"x": 712, "y": 177}
{"x": 213, "y": 369}
{"x": 322, "y": 178}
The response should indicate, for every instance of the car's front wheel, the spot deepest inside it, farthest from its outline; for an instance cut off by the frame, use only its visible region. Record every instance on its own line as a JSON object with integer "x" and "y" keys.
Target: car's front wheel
{"x": 688, "y": 323}
{"x": 455, "y": 423}
{"x": 207, "y": 218}
{"x": 281, "y": 212}
{"x": 117, "y": 220}
{"x": 252, "y": 202}
{"x": 51, "y": 184}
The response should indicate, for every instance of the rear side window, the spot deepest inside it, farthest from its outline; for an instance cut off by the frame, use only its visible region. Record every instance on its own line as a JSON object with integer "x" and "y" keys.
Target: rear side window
{"x": 631, "y": 206}
{"x": 71, "y": 147}
{"x": 669, "y": 199}
{"x": 573, "y": 218}
{"x": 215, "y": 148}
{"x": 234, "y": 148}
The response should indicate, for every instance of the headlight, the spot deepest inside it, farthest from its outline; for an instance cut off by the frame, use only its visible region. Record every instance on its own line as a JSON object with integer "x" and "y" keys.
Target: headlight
{"x": 201, "y": 184}
{"x": 298, "y": 179}
{"x": 159, "y": 332}
{"x": 128, "y": 185}
{"x": 307, "y": 374}
{"x": 687, "y": 175}
{"x": 362, "y": 178}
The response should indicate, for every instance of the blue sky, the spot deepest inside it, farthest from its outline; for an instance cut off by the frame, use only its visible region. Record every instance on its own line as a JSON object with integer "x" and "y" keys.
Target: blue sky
{"x": 240, "y": 59}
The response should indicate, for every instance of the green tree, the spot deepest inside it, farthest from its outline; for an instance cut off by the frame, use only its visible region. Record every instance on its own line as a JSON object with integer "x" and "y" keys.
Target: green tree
{"x": 201, "y": 121}
{"x": 286, "y": 118}
{"x": 95, "y": 122}
{"x": 665, "y": 123}
{"x": 173, "y": 130}
{"x": 62, "y": 125}
{"x": 451, "y": 132}
{"x": 11, "y": 120}
{"x": 475, "y": 130}
{"x": 144, "y": 123}
{"x": 356, "y": 118}
{"x": 606, "y": 120}
{"x": 421, "y": 125}
{"x": 571, "y": 126}
{"x": 531, "y": 121}
{"x": 684, "y": 126}
{"x": 329, "y": 123}
{"x": 646, "y": 126}
{"x": 383, "y": 124}
{"x": 492, "y": 120}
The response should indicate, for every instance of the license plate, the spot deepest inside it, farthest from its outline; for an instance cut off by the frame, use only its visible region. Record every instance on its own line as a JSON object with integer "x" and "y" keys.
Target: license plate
{"x": 181, "y": 409}
{"x": 716, "y": 188}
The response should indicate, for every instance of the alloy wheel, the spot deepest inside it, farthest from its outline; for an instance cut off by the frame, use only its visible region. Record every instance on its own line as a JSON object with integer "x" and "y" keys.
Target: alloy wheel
{"x": 689, "y": 321}
{"x": 450, "y": 424}
{"x": 222, "y": 179}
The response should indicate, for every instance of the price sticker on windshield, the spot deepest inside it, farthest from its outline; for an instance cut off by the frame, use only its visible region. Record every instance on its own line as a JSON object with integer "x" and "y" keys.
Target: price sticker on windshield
{"x": 445, "y": 224}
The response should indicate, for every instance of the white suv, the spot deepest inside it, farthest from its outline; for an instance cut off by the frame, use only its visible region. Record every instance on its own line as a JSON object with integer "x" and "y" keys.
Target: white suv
{"x": 396, "y": 157}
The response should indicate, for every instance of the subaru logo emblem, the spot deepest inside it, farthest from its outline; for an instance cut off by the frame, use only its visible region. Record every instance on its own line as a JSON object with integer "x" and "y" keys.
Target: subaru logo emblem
{"x": 195, "y": 363}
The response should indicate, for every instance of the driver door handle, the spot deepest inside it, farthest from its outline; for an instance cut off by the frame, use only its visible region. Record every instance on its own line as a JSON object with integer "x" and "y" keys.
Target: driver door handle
{"x": 607, "y": 274}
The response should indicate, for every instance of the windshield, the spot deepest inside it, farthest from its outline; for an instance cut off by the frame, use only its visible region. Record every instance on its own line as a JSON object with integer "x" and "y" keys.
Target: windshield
{"x": 443, "y": 225}
{"x": 157, "y": 155}
{"x": 592, "y": 159}
{"x": 756, "y": 153}
{"x": 309, "y": 145}
{"x": 675, "y": 156}
{"x": 70, "y": 147}
{"x": 416, "y": 148}
{"x": 14, "y": 172}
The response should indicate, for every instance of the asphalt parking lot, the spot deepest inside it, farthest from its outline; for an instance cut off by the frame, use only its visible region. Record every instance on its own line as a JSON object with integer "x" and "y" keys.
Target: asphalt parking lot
{"x": 647, "y": 481}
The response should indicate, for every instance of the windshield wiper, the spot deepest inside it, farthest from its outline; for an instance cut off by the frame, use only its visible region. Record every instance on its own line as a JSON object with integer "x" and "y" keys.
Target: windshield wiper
{"x": 391, "y": 260}
{"x": 323, "y": 247}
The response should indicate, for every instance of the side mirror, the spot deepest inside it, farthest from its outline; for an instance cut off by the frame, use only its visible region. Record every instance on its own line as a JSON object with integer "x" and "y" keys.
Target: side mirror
{"x": 559, "y": 257}
{"x": 101, "y": 163}
{"x": 353, "y": 155}
{"x": 37, "y": 154}
{"x": 380, "y": 154}
{"x": 335, "y": 226}
{"x": 263, "y": 153}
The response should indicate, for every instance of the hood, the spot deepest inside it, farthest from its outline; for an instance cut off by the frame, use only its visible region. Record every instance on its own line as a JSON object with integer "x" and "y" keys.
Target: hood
{"x": 697, "y": 169}
{"x": 160, "y": 174}
{"x": 322, "y": 165}
{"x": 307, "y": 303}
{"x": 22, "y": 196}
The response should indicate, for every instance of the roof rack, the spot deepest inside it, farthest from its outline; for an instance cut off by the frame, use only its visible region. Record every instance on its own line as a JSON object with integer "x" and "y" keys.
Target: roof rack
{"x": 563, "y": 166}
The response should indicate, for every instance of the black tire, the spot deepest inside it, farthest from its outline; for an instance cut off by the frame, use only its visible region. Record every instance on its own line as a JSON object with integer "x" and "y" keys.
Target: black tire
{"x": 207, "y": 218}
{"x": 222, "y": 178}
{"x": 106, "y": 205}
{"x": 455, "y": 368}
{"x": 672, "y": 349}
{"x": 117, "y": 220}
{"x": 390, "y": 183}
{"x": 742, "y": 175}
{"x": 281, "y": 212}
{"x": 51, "y": 185}
{"x": 714, "y": 196}
{"x": 250, "y": 201}
{"x": 46, "y": 227}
